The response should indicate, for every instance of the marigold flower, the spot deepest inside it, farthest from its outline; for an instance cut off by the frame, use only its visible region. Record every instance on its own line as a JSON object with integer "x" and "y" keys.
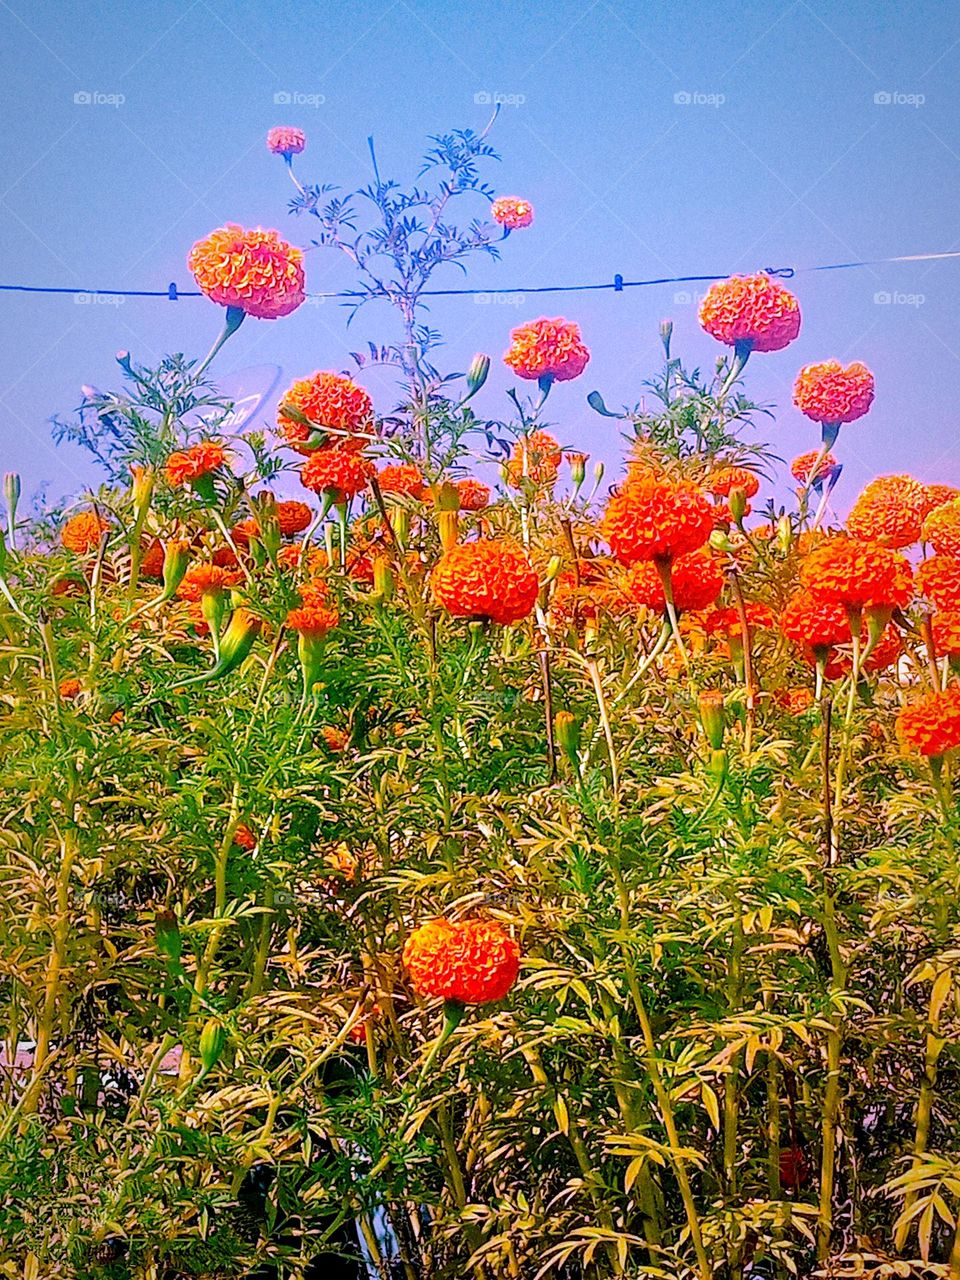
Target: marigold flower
{"x": 536, "y": 458}
{"x": 796, "y": 700}
{"x": 286, "y": 140}
{"x": 931, "y": 725}
{"x": 184, "y": 466}
{"x": 244, "y": 838}
{"x": 938, "y": 494}
{"x": 814, "y": 623}
{"x": 857, "y": 575}
{"x": 207, "y": 579}
{"x": 721, "y": 482}
{"x": 547, "y": 348}
{"x": 828, "y": 392}
{"x": 890, "y": 511}
{"x": 652, "y": 519}
{"x": 69, "y": 688}
{"x": 752, "y": 311}
{"x": 467, "y": 961}
{"x": 474, "y": 495}
{"x": 335, "y": 739}
{"x": 401, "y": 478}
{"x": 336, "y": 472}
{"x": 151, "y": 560}
{"x": 511, "y": 212}
{"x": 331, "y": 402}
{"x": 254, "y": 271}
{"x": 491, "y": 579}
{"x": 290, "y": 517}
{"x": 314, "y": 619}
{"x": 82, "y": 533}
{"x": 726, "y": 622}
{"x": 939, "y": 580}
{"x": 802, "y": 466}
{"x": 941, "y": 528}
{"x": 696, "y": 579}
{"x": 946, "y": 632}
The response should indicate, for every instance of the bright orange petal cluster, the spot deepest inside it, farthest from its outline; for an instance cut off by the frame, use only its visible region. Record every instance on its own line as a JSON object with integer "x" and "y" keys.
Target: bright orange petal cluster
{"x": 726, "y": 622}
{"x": 654, "y": 519}
{"x": 828, "y": 392}
{"x": 857, "y": 574}
{"x": 946, "y": 632}
{"x": 751, "y": 310}
{"x": 890, "y": 511}
{"x": 545, "y": 347}
{"x": 474, "y": 495}
{"x": 186, "y": 465}
{"x": 244, "y": 838}
{"x": 814, "y": 623}
{"x": 203, "y": 579}
{"x": 82, "y": 532}
{"x": 942, "y": 528}
{"x": 721, "y": 482}
{"x": 403, "y": 478}
{"x": 491, "y": 578}
{"x": 801, "y": 468}
{"x": 254, "y": 270}
{"x": 939, "y": 580}
{"x": 536, "y": 458}
{"x": 330, "y": 401}
{"x": 335, "y": 739}
{"x": 339, "y": 472}
{"x": 467, "y": 961}
{"x": 314, "y": 618}
{"x": 938, "y": 494}
{"x": 931, "y": 725}
{"x": 696, "y": 579}
{"x": 512, "y": 212}
{"x": 69, "y": 688}
{"x": 286, "y": 140}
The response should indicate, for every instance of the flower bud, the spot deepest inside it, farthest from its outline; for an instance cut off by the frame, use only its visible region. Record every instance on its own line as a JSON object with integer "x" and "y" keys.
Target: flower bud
{"x": 553, "y": 568}
{"x": 598, "y": 470}
{"x": 383, "y": 583}
{"x": 567, "y": 730}
{"x": 167, "y": 934}
{"x": 712, "y": 717}
{"x": 719, "y": 541}
{"x": 738, "y": 503}
{"x": 448, "y": 523}
{"x": 123, "y": 360}
{"x": 578, "y": 467}
{"x": 213, "y": 1037}
{"x": 666, "y": 333}
{"x": 141, "y": 488}
{"x": 784, "y": 534}
{"x": 477, "y": 374}
{"x": 11, "y": 488}
{"x": 176, "y": 557}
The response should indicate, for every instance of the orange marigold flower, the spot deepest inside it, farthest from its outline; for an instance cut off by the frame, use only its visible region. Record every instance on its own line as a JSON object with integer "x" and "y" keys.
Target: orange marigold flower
{"x": 721, "y": 482}
{"x": 491, "y": 579}
{"x": 828, "y": 392}
{"x": 225, "y": 558}
{"x": 941, "y": 528}
{"x": 331, "y": 402}
{"x": 467, "y": 961}
{"x": 474, "y": 494}
{"x": 696, "y": 579}
{"x": 335, "y": 739}
{"x": 512, "y": 212}
{"x": 253, "y": 270}
{"x": 402, "y": 478}
{"x": 82, "y": 532}
{"x": 726, "y": 622}
{"x": 536, "y": 458}
{"x": 69, "y": 688}
{"x": 651, "y": 519}
{"x": 946, "y": 632}
{"x": 857, "y": 574}
{"x": 547, "y": 347}
{"x": 151, "y": 564}
{"x": 931, "y": 725}
{"x": 814, "y": 623}
{"x": 203, "y": 579}
{"x": 286, "y": 140}
{"x": 802, "y": 466}
{"x": 796, "y": 700}
{"x": 939, "y": 580}
{"x": 186, "y": 465}
{"x": 313, "y": 620}
{"x": 244, "y": 838}
{"x": 938, "y": 494}
{"x": 890, "y": 511}
{"x": 751, "y": 311}
{"x": 336, "y": 471}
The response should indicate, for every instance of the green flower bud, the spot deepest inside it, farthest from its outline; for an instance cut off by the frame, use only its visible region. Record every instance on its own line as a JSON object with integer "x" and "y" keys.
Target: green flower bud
{"x": 712, "y": 717}
{"x": 213, "y": 1038}
{"x": 477, "y": 374}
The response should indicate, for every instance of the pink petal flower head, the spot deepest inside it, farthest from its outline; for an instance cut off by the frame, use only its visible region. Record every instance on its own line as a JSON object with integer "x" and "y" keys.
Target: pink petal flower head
{"x": 512, "y": 212}
{"x": 286, "y": 140}
{"x": 752, "y": 311}
{"x": 254, "y": 271}
{"x": 547, "y": 347}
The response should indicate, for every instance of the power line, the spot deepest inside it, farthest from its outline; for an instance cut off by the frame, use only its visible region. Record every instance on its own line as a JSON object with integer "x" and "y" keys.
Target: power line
{"x": 173, "y": 294}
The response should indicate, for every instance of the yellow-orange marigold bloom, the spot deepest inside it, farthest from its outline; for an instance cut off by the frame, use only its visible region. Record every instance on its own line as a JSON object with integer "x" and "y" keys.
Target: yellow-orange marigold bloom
{"x": 186, "y": 465}
{"x": 402, "y": 478}
{"x": 330, "y": 401}
{"x": 890, "y": 511}
{"x": 946, "y": 632}
{"x": 814, "y": 623}
{"x": 801, "y": 467}
{"x": 828, "y": 392}
{"x": 721, "y": 482}
{"x": 651, "y": 519}
{"x": 336, "y": 471}
{"x": 82, "y": 532}
{"x": 696, "y": 579}
{"x": 69, "y": 688}
{"x": 336, "y": 740}
{"x": 547, "y": 347}
{"x": 292, "y": 517}
{"x": 941, "y": 528}
{"x": 286, "y": 140}
{"x": 491, "y": 579}
{"x": 202, "y": 579}
{"x": 253, "y": 270}
{"x": 939, "y": 580}
{"x": 938, "y": 494}
{"x": 244, "y": 838}
{"x": 314, "y": 619}
{"x": 536, "y": 458}
{"x": 467, "y": 961}
{"x": 931, "y": 725}
{"x": 511, "y": 212}
{"x": 474, "y": 495}
{"x": 753, "y": 311}
{"x": 857, "y": 574}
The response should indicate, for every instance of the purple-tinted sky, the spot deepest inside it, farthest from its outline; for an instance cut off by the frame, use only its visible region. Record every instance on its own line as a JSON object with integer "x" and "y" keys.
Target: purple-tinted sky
{"x": 652, "y": 139}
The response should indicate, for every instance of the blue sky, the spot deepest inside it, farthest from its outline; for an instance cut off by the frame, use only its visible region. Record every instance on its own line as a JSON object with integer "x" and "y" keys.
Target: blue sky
{"x": 782, "y": 156}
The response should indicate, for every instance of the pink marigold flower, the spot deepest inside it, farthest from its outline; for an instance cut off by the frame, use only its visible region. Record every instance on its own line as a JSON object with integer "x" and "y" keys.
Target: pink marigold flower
{"x": 511, "y": 212}
{"x": 254, "y": 271}
{"x": 286, "y": 140}
{"x": 828, "y": 392}
{"x": 547, "y": 347}
{"x": 751, "y": 311}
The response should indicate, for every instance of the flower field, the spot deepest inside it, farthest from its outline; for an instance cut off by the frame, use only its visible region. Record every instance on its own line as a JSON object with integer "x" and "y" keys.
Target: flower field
{"x": 428, "y": 855}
